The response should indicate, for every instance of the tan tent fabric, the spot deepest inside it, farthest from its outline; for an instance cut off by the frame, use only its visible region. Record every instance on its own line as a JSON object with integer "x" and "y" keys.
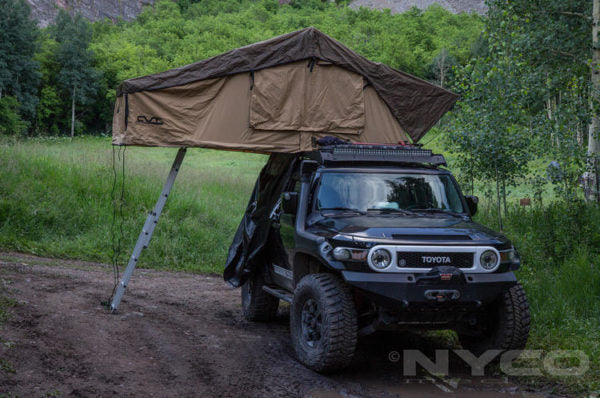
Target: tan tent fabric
{"x": 301, "y": 97}
{"x": 214, "y": 113}
{"x": 208, "y": 104}
{"x": 211, "y": 113}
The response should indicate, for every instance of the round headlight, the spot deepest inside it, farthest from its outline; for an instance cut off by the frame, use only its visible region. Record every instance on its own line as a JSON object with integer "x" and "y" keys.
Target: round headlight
{"x": 381, "y": 258}
{"x": 340, "y": 253}
{"x": 488, "y": 259}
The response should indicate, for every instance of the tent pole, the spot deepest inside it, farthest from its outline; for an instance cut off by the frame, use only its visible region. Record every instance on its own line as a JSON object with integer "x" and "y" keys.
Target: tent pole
{"x": 146, "y": 234}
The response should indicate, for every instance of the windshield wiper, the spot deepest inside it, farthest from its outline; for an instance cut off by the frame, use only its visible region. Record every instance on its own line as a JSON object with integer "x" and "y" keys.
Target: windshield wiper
{"x": 439, "y": 211}
{"x": 346, "y": 209}
{"x": 389, "y": 210}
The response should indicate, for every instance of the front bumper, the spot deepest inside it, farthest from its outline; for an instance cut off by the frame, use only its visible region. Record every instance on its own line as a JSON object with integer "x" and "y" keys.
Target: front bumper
{"x": 400, "y": 291}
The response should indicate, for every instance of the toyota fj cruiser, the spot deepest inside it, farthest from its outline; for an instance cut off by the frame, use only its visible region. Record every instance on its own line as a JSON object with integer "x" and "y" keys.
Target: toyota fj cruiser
{"x": 371, "y": 237}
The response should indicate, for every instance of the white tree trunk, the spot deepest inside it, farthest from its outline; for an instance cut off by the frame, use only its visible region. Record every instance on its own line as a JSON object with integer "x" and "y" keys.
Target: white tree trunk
{"x": 594, "y": 129}
{"x": 73, "y": 114}
{"x": 441, "y": 65}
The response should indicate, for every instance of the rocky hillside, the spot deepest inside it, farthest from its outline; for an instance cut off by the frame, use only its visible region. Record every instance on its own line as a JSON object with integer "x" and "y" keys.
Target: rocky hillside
{"x": 455, "y": 6}
{"x": 44, "y": 11}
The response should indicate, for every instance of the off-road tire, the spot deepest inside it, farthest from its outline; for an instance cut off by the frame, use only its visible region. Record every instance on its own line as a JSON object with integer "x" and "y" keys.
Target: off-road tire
{"x": 508, "y": 326}
{"x": 338, "y": 323}
{"x": 257, "y": 304}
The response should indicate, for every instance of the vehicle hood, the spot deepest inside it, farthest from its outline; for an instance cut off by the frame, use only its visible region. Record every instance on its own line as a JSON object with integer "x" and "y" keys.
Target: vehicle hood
{"x": 409, "y": 229}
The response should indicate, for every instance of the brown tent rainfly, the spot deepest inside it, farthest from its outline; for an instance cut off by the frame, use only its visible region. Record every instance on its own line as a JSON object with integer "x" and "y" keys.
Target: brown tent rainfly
{"x": 275, "y": 96}
{"x": 278, "y": 95}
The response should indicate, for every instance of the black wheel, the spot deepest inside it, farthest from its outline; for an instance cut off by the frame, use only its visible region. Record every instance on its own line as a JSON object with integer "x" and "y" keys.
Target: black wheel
{"x": 323, "y": 323}
{"x": 504, "y": 326}
{"x": 257, "y": 304}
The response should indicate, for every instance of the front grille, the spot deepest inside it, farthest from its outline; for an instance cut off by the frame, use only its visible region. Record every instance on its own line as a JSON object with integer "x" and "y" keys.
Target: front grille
{"x": 429, "y": 259}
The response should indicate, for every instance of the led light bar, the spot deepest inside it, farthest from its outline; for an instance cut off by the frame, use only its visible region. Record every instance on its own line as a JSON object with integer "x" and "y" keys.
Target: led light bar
{"x": 377, "y": 153}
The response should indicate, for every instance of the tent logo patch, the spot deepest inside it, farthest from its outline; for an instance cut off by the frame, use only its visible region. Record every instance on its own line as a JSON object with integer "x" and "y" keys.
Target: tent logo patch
{"x": 151, "y": 120}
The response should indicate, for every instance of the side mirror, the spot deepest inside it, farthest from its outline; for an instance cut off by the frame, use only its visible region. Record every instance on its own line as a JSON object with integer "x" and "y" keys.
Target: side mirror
{"x": 289, "y": 202}
{"x": 472, "y": 202}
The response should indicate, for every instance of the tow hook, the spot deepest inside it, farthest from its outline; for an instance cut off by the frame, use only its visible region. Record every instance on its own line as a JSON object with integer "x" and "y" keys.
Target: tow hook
{"x": 442, "y": 295}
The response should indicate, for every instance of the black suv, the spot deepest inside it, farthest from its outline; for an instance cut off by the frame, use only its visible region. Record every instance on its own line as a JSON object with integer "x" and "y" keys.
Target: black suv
{"x": 370, "y": 237}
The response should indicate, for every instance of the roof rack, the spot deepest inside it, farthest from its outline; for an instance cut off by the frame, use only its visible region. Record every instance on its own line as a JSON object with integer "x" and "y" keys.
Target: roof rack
{"x": 376, "y": 153}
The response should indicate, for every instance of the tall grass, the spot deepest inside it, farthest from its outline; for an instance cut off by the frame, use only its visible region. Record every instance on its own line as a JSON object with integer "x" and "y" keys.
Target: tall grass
{"x": 55, "y": 200}
{"x": 560, "y": 250}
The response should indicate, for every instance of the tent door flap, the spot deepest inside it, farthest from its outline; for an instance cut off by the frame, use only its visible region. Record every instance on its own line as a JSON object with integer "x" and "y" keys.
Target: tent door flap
{"x": 317, "y": 98}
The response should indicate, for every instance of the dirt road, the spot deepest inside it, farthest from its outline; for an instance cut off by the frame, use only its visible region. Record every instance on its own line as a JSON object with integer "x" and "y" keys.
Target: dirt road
{"x": 181, "y": 335}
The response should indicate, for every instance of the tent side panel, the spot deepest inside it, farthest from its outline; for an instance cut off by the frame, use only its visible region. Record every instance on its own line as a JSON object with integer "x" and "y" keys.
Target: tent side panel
{"x": 381, "y": 126}
{"x": 210, "y": 113}
{"x": 303, "y": 96}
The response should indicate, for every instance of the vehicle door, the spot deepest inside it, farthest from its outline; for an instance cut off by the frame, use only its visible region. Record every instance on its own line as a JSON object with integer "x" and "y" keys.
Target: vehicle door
{"x": 283, "y": 240}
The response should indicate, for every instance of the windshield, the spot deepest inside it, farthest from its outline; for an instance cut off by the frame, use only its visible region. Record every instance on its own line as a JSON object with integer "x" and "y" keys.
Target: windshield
{"x": 388, "y": 192}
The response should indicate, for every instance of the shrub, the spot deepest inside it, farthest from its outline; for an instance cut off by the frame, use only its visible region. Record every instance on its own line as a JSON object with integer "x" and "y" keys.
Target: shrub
{"x": 10, "y": 120}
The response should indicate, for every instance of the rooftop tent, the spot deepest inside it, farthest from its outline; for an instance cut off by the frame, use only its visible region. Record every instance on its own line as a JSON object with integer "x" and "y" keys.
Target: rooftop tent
{"x": 275, "y": 96}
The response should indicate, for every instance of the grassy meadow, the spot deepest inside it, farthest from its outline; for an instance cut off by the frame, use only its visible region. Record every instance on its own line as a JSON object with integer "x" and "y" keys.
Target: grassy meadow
{"x": 55, "y": 200}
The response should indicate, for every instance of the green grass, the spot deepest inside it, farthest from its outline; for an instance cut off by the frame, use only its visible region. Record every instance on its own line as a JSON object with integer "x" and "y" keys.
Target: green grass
{"x": 560, "y": 249}
{"x": 55, "y": 200}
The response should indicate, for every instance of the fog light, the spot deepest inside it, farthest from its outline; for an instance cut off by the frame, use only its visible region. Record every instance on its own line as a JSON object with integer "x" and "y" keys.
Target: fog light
{"x": 339, "y": 253}
{"x": 359, "y": 255}
{"x": 381, "y": 258}
{"x": 488, "y": 259}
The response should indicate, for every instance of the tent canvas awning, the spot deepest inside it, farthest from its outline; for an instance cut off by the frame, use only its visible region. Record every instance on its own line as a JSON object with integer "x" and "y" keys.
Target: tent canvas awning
{"x": 276, "y": 96}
